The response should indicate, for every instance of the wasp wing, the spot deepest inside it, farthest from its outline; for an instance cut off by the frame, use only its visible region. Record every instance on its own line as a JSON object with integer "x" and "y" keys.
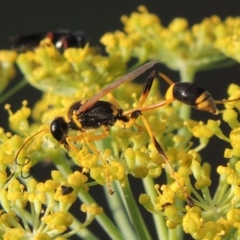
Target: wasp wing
{"x": 126, "y": 78}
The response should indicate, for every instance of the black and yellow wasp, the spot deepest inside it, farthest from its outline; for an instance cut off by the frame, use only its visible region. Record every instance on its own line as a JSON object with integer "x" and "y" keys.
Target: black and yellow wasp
{"x": 94, "y": 113}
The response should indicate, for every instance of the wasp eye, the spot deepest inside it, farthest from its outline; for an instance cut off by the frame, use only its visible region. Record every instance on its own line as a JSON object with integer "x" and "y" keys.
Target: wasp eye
{"x": 59, "y": 129}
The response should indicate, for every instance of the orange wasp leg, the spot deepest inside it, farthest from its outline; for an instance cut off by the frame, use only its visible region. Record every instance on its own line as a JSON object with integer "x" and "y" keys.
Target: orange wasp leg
{"x": 224, "y": 101}
{"x": 158, "y": 147}
{"x": 146, "y": 89}
{"x": 135, "y": 113}
{"x": 113, "y": 100}
{"x": 88, "y": 138}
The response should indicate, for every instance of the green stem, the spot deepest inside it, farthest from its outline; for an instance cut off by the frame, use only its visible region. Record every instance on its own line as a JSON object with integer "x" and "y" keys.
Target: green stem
{"x": 80, "y": 231}
{"x": 135, "y": 215}
{"x": 159, "y": 221}
{"x": 23, "y": 217}
{"x": 186, "y": 75}
{"x": 116, "y": 205}
{"x": 13, "y": 90}
{"x": 102, "y": 219}
{"x": 222, "y": 191}
{"x": 85, "y": 197}
{"x": 173, "y": 234}
{"x": 62, "y": 165}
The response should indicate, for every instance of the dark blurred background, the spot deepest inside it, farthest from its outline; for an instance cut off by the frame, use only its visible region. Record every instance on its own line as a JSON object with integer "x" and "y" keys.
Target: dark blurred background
{"x": 97, "y": 17}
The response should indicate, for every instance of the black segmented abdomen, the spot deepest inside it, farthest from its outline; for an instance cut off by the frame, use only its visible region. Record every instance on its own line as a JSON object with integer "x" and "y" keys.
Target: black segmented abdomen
{"x": 187, "y": 92}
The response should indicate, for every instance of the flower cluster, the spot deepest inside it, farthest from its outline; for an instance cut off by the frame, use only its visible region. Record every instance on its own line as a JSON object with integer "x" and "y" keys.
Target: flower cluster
{"x": 228, "y": 42}
{"x": 7, "y": 71}
{"x": 77, "y": 74}
{"x": 51, "y": 195}
{"x": 178, "y": 46}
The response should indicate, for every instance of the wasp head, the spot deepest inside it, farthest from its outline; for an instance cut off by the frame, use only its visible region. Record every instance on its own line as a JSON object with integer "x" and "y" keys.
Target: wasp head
{"x": 59, "y": 129}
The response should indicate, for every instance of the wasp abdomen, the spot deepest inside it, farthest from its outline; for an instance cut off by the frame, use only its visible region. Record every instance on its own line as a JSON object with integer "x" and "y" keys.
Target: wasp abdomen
{"x": 195, "y": 96}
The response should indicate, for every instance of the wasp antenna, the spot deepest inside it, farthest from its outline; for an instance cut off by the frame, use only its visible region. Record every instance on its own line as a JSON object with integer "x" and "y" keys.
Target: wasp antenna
{"x": 24, "y": 144}
{"x": 25, "y": 177}
{"x": 27, "y": 160}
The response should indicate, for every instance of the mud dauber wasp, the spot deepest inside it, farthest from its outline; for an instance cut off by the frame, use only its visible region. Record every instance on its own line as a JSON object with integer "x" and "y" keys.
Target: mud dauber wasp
{"x": 94, "y": 113}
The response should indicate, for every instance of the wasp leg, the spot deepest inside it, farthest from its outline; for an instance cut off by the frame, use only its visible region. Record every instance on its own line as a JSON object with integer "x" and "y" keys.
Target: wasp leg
{"x": 161, "y": 152}
{"x": 224, "y": 101}
{"x": 157, "y": 145}
{"x": 86, "y": 136}
{"x": 135, "y": 113}
{"x": 165, "y": 78}
{"x": 148, "y": 85}
{"x": 113, "y": 100}
{"x": 145, "y": 91}
{"x": 104, "y": 163}
{"x": 154, "y": 141}
{"x": 146, "y": 88}
{"x": 157, "y": 105}
{"x": 88, "y": 139}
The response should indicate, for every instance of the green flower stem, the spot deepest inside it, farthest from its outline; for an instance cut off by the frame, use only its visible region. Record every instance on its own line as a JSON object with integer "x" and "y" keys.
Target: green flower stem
{"x": 159, "y": 221}
{"x": 35, "y": 216}
{"x": 196, "y": 194}
{"x": 222, "y": 191}
{"x": 109, "y": 227}
{"x": 43, "y": 226}
{"x": 6, "y": 73}
{"x": 217, "y": 62}
{"x": 187, "y": 74}
{"x": 85, "y": 197}
{"x": 79, "y": 230}
{"x": 227, "y": 198}
{"x": 83, "y": 233}
{"x": 20, "y": 211}
{"x": 135, "y": 215}
{"x": 232, "y": 161}
{"x": 115, "y": 203}
{"x": 13, "y": 90}
{"x": 102, "y": 219}
{"x": 28, "y": 216}
{"x": 174, "y": 235}
{"x": 62, "y": 165}
{"x": 207, "y": 197}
